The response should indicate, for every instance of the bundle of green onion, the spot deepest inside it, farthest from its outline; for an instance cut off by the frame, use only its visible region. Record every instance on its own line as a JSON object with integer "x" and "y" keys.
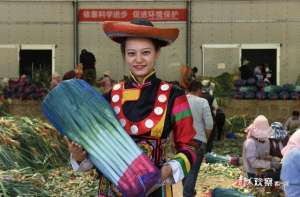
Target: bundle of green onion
{"x": 79, "y": 112}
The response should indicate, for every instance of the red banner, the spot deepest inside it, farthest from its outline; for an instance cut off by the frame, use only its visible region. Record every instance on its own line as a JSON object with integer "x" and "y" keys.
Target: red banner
{"x": 96, "y": 15}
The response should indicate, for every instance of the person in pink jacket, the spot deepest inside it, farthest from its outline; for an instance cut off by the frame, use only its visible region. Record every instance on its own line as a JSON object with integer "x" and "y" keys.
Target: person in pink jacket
{"x": 256, "y": 148}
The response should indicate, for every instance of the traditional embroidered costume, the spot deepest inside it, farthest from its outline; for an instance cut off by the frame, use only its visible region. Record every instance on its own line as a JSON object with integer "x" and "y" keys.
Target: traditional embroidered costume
{"x": 151, "y": 110}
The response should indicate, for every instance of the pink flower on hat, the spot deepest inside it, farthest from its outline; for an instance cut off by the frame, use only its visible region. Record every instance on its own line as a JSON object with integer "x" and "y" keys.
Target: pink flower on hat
{"x": 260, "y": 128}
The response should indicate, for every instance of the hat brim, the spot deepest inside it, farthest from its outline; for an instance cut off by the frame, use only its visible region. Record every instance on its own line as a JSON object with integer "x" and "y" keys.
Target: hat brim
{"x": 262, "y": 133}
{"x": 118, "y": 31}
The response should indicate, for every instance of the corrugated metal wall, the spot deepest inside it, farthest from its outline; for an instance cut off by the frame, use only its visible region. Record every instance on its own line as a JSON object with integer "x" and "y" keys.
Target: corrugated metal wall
{"x": 9, "y": 61}
{"x": 219, "y": 60}
{"x": 233, "y": 21}
{"x": 92, "y": 37}
{"x": 39, "y": 23}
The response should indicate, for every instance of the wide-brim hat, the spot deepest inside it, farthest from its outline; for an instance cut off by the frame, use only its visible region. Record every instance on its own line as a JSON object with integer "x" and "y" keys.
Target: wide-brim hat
{"x": 118, "y": 31}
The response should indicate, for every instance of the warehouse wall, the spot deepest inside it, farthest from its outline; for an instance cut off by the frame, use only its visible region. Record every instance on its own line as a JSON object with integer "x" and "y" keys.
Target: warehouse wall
{"x": 108, "y": 54}
{"x": 39, "y": 23}
{"x": 232, "y": 21}
{"x": 45, "y": 22}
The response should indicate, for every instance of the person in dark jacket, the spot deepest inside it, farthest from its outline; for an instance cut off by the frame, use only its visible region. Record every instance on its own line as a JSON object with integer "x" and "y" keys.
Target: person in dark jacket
{"x": 278, "y": 139}
{"x": 246, "y": 70}
{"x": 194, "y": 73}
{"x": 88, "y": 61}
{"x": 220, "y": 122}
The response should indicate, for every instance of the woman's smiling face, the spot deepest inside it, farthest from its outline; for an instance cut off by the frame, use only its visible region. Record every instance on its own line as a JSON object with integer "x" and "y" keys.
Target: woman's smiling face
{"x": 140, "y": 56}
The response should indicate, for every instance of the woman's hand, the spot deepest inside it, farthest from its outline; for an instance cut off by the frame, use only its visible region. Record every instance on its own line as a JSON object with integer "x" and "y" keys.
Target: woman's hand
{"x": 166, "y": 171}
{"x": 76, "y": 150}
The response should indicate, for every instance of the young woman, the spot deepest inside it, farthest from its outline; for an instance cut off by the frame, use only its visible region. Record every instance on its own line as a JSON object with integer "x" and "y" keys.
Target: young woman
{"x": 148, "y": 108}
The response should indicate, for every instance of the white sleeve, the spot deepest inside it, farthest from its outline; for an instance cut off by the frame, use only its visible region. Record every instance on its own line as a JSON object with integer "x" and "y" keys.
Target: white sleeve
{"x": 207, "y": 116}
{"x": 177, "y": 173}
{"x": 85, "y": 165}
{"x": 215, "y": 104}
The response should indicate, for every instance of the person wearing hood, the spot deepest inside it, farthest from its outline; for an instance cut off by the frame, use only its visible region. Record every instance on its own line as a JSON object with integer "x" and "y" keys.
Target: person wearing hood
{"x": 256, "y": 148}
{"x": 245, "y": 70}
{"x": 290, "y": 172}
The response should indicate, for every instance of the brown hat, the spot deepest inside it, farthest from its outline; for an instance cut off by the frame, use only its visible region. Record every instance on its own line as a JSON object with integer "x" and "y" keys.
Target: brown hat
{"x": 139, "y": 28}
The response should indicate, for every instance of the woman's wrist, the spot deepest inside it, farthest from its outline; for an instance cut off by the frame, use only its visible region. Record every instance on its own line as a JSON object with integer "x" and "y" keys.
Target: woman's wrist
{"x": 77, "y": 159}
{"x": 166, "y": 171}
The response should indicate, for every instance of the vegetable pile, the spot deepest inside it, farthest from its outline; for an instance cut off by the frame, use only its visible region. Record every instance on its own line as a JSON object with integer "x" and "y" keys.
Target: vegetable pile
{"x": 212, "y": 176}
{"x": 24, "y": 89}
{"x": 28, "y": 149}
{"x": 26, "y": 142}
{"x": 55, "y": 182}
{"x": 224, "y": 86}
{"x": 229, "y": 147}
{"x": 65, "y": 182}
{"x": 252, "y": 89}
{"x": 22, "y": 182}
{"x": 237, "y": 123}
{"x": 223, "y": 170}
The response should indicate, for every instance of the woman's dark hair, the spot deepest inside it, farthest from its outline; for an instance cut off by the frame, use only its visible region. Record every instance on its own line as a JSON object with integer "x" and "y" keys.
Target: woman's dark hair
{"x": 195, "y": 70}
{"x": 195, "y": 86}
{"x": 141, "y": 21}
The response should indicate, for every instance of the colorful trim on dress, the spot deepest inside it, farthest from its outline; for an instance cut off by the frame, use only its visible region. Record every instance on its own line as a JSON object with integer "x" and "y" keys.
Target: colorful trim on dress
{"x": 145, "y": 125}
{"x": 167, "y": 191}
{"x": 184, "y": 163}
{"x": 181, "y": 109}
